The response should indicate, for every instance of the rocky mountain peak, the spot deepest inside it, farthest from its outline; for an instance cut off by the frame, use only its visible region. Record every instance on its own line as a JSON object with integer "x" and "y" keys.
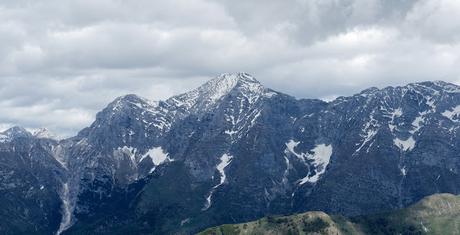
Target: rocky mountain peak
{"x": 16, "y": 132}
{"x": 44, "y": 133}
{"x": 427, "y": 87}
{"x": 202, "y": 98}
{"x": 435, "y": 87}
{"x": 208, "y": 95}
{"x": 231, "y": 79}
{"x": 130, "y": 101}
{"x": 130, "y": 104}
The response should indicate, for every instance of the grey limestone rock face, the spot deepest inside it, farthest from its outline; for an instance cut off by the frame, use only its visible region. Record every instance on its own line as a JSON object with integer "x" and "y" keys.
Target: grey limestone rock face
{"x": 30, "y": 184}
{"x": 233, "y": 151}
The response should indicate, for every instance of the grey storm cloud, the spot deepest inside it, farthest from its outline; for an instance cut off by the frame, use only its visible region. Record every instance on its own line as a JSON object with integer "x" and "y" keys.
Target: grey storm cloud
{"x": 62, "y": 61}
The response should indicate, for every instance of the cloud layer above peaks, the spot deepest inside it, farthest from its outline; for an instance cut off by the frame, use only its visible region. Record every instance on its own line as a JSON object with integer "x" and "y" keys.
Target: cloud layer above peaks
{"x": 62, "y": 61}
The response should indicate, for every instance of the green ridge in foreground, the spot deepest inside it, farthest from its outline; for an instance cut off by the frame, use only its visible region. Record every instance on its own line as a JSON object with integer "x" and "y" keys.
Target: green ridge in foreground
{"x": 436, "y": 214}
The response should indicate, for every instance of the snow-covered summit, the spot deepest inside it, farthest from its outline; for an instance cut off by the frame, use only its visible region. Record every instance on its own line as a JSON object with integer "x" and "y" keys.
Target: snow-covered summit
{"x": 44, "y": 133}
{"x": 130, "y": 100}
{"x": 234, "y": 78}
{"x": 16, "y": 131}
{"x": 20, "y": 132}
{"x": 207, "y": 95}
{"x": 198, "y": 100}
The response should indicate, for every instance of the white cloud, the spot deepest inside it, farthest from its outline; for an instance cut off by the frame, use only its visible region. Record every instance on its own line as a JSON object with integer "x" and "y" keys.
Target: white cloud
{"x": 437, "y": 20}
{"x": 62, "y": 61}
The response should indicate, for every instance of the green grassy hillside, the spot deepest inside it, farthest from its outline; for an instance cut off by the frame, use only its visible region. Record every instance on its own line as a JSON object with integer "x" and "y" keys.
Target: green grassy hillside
{"x": 437, "y": 214}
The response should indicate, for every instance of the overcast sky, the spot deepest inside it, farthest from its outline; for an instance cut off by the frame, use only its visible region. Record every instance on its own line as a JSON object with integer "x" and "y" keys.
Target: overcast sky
{"x": 63, "y": 61}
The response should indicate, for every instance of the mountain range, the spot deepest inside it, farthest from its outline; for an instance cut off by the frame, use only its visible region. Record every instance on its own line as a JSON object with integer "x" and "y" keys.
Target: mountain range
{"x": 232, "y": 151}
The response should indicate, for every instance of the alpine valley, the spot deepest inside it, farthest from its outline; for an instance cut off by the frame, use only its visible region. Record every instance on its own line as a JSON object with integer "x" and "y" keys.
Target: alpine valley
{"x": 232, "y": 151}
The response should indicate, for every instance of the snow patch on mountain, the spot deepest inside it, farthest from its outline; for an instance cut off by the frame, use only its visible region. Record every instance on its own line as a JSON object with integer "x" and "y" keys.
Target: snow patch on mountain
{"x": 452, "y": 114}
{"x": 270, "y": 94}
{"x": 403, "y": 171}
{"x": 4, "y": 138}
{"x": 224, "y": 162}
{"x": 417, "y": 123}
{"x": 157, "y": 155}
{"x": 404, "y": 145}
{"x": 44, "y": 133}
{"x": 320, "y": 158}
{"x": 395, "y": 114}
{"x": 420, "y": 119}
{"x": 370, "y": 134}
{"x": 286, "y": 172}
{"x": 290, "y": 147}
{"x": 231, "y": 132}
{"x": 370, "y": 129}
{"x": 408, "y": 144}
{"x": 130, "y": 152}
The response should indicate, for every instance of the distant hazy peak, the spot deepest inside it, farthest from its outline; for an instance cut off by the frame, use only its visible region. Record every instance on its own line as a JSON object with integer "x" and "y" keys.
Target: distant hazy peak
{"x": 14, "y": 132}
{"x": 44, "y": 133}
{"x": 17, "y": 131}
